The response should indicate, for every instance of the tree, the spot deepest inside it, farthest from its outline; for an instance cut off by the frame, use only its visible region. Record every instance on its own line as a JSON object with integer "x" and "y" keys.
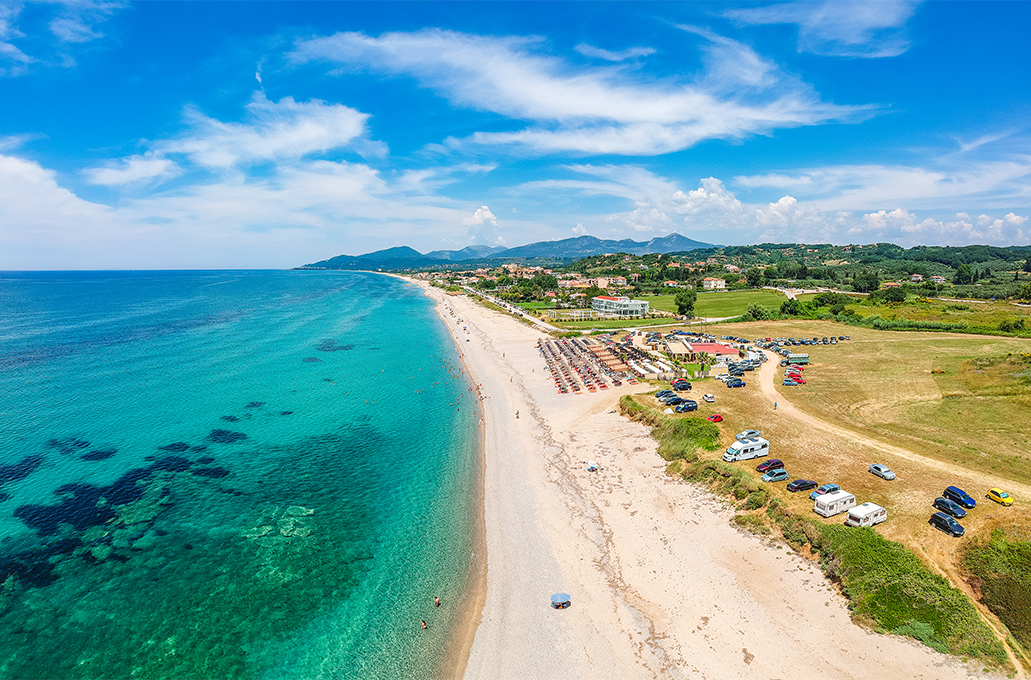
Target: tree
{"x": 1027, "y": 265}
{"x": 964, "y": 274}
{"x": 791, "y": 307}
{"x": 1025, "y": 292}
{"x": 760, "y": 313}
{"x": 684, "y": 301}
{"x": 755, "y": 277}
{"x": 866, "y": 281}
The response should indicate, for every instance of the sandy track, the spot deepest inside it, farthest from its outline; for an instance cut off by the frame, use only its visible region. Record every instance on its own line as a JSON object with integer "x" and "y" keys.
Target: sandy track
{"x": 662, "y": 585}
{"x": 770, "y": 375}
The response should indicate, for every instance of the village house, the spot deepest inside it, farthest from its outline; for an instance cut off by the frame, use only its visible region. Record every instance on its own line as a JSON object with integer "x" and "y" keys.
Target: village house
{"x": 916, "y": 278}
{"x": 940, "y": 280}
{"x": 710, "y": 283}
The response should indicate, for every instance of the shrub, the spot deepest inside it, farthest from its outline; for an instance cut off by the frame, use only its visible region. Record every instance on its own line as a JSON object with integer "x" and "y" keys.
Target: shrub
{"x": 1004, "y": 567}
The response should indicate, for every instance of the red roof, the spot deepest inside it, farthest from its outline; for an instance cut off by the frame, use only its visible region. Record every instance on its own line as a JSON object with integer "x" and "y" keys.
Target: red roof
{"x": 609, "y": 297}
{"x": 711, "y": 348}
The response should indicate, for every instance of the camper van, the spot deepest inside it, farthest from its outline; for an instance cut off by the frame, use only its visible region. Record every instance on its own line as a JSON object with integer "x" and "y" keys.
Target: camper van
{"x": 746, "y": 449}
{"x": 834, "y": 503}
{"x": 866, "y": 515}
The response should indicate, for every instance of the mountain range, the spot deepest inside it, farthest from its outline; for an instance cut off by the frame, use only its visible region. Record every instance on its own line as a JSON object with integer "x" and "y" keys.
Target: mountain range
{"x": 403, "y": 257}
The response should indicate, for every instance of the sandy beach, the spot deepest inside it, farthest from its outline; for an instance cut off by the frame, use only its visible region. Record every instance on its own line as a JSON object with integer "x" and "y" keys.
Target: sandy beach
{"x": 661, "y": 584}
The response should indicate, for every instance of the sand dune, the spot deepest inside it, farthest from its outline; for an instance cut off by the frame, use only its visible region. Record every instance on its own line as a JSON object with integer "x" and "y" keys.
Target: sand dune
{"x": 662, "y": 585}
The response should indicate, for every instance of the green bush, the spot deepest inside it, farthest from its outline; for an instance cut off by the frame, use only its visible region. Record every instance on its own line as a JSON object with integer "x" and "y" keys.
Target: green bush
{"x": 889, "y": 584}
{"x": 1004, "y": 567}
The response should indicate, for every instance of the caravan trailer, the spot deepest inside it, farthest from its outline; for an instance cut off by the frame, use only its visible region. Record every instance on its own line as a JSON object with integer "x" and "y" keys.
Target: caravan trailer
{"x": 866, "y": 515}
{"x": 834, "y": 503}
{"x": 746, "y": 449}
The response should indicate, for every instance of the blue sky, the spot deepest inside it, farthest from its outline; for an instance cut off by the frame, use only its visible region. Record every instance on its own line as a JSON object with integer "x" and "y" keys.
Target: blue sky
{"x": 266, "y": 134}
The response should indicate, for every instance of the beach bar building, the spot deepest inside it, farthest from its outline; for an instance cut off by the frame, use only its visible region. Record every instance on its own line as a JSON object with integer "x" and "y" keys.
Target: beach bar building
{"x": 607, "y": 305}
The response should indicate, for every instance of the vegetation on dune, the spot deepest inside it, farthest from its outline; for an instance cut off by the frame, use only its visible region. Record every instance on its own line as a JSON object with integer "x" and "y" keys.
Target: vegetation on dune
{"x": 679, "y": 438}
{"x": 1000, "y": 569}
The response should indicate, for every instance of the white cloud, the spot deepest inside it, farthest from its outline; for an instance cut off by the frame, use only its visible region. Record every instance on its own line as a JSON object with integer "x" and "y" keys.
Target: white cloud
{"x": 483, "y": 227}
{"x": 857, "y": 28}
{"x": 50, "y": 30}
{"x": 579, "y": 229}
{"x": 608, "y": 55}
{"x": 273, "y": 130}
{"x": 589, "y": 110}
{"x": 132, "y": 170}
{"x": 860, "y": 187}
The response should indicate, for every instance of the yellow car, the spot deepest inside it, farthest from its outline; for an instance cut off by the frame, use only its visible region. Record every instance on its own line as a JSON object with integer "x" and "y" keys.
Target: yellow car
{"x": 999, "y": 496}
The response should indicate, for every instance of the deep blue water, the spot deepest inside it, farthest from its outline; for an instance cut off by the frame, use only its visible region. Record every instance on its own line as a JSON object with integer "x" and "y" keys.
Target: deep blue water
{"x": 229, "y": 474}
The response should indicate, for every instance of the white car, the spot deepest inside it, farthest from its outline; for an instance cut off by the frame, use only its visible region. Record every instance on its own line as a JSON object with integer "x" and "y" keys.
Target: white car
{"x": 882, "y": 471}
{"x": 747, "y": 434}
{"x": 708, "y": 398}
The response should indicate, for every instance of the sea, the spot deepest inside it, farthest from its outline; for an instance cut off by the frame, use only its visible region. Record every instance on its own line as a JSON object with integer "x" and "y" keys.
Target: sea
{"x": 230, "y": 474}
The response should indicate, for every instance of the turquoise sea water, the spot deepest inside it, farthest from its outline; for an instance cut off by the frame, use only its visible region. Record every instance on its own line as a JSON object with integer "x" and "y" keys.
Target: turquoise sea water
{"x": 229, "y": 475}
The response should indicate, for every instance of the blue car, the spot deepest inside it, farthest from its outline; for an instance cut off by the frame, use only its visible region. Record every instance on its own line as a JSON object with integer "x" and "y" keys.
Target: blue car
{"x": 789, "y": 383}
{"x": 943, "y": 522}
{"x": 954, "y": 493}
{"x": 735, "y": 383}
{"x": 826, "y": 488}
{"x": 686, "y": 406}
{"x": 778, "y": 475}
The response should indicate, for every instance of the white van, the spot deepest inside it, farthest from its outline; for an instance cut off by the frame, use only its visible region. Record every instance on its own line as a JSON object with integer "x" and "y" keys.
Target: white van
{"x": 866, "y": 515}
{"x": 834, "y": 503}
{"x": 746, "y": 449}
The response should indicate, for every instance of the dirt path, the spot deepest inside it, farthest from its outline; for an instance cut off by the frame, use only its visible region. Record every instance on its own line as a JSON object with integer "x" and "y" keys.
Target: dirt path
{"x": 769, "y": 375}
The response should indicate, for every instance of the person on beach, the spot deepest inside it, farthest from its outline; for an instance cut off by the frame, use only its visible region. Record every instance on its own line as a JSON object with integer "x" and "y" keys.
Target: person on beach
{"x": 424, "y": 626}
{"x": 436, "y": 602}
{"x": 517, "y": 415}
{"x": 774, "y": 406}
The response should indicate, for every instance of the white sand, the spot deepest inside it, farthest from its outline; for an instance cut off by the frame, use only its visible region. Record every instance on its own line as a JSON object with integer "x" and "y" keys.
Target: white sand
{"x": 661, "y": 584}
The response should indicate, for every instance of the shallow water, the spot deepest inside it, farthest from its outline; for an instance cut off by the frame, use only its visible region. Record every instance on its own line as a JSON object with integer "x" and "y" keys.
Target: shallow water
{"x": 229, "y": 474}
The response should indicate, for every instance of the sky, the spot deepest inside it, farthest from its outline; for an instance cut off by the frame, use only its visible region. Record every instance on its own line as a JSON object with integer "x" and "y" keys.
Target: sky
{"x": 181, "y": 135}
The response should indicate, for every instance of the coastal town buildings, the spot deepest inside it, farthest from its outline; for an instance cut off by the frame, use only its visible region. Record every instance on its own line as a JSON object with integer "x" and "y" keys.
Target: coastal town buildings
{"x": 619, "y": 306}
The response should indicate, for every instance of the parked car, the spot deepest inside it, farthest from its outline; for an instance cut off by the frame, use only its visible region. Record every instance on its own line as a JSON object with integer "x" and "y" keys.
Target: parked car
{"x": 715, "y": 418}
{"x": 801, "y": 485}
{"x": 708, "y": 398}
{"x": 825, "y": 489}
{"x": 747, "y": 434}
{"x": 686, "y": 405}
{"x": 943, "y": 522}
{"x": 799, "y": 381}
{"x": 954, "y": 493}
{"x": 789, "y": 383}
{"x": 949, "y": 507}
{"x": 673, "y": 401}
{"x": 999, "y": 496}
{"x": 776, "y": 475}
{"x": 736, "y": 383}
{"x": 771, "y": 464}
{"x": 882, "y": 471}
{"x": 682, "y": 387}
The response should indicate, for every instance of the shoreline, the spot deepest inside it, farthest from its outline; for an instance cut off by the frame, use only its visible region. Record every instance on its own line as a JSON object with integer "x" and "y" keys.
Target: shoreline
{"x": 474, "y": 595}
{"x": 455, "y": 659}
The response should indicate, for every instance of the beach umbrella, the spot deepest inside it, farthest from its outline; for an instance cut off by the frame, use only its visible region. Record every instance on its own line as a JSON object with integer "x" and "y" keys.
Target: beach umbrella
{"x": 560, "y": 600}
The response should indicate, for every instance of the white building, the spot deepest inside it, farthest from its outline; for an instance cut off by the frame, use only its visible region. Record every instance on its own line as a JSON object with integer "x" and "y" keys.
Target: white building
{"x": 619, "y": 306}
{"x": 710, "y": 283}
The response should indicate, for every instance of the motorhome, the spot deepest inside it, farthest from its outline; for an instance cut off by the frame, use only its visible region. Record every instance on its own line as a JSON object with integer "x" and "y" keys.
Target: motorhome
{"x": 746, "y": 449}
{"x": 866, "y": 515}
{"x": 834, "y": 503}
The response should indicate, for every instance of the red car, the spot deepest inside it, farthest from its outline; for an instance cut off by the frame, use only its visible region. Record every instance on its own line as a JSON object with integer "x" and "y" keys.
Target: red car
{"x": 768, "y": 465}
{"x": 715, "y": 418}
{"x": 799, "y": 380}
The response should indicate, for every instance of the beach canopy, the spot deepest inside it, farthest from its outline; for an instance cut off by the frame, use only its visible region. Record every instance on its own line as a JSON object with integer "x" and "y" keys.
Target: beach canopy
{"x": 560, "y": 600}
{"x": 592, "y": 466}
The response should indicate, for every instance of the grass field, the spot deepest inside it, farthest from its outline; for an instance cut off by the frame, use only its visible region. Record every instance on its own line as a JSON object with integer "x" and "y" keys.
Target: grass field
{"x": 718, "y": 305}
{"x": 533, "y": 306}
{"x": 608, "y": 324}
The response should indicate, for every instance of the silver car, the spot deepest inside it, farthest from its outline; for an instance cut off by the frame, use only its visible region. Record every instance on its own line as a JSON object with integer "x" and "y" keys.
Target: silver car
{"x": 747, "y": 434}
{"x": 882, "y": 471}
